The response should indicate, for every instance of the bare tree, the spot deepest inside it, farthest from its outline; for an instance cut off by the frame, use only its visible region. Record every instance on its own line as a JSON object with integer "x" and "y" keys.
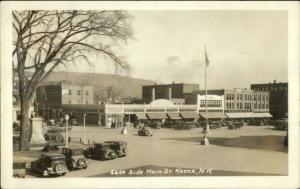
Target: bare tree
{"x": 43, "y": 40}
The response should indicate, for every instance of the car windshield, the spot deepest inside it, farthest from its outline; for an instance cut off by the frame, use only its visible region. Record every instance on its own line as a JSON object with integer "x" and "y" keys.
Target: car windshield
{"x": 77, "y": 152}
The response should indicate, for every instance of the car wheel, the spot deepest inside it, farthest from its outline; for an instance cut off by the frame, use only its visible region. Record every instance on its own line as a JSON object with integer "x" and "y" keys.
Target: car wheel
{"x": 102, "y": 157}
{"x": 59, "y": 168}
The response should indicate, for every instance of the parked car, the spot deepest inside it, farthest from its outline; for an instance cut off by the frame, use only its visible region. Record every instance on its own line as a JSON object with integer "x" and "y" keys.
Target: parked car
{"x": 257, "y": 122}
{"x": 50, "y": 164}
{"x": 73, "y": 122}
{"x": 234, "y": 124}
{"x": 19, "y": 169}
{"x": 54, "y": 135}
{"x": 281, "y": 124}
{"x": 120, "y": 147}
{"x": 145, "y": 131}
{"x": 54, "y": 139}
{"x": 101, "y": 151}
{"x": 186, "y": 125}
{"x": 215, "y": 124}
{"x": 16, "y": 127}
{"x": 75, "y": 158}
{"x": 155, "y": 124}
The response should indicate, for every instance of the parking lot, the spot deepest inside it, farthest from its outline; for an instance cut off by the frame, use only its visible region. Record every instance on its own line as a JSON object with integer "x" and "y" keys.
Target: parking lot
{"x": 247, "y": 151}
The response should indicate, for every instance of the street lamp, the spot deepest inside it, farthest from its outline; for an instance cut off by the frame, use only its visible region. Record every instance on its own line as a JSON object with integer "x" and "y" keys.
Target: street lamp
{"x": 84, "y": 128}
{"x": 67, "y": 129}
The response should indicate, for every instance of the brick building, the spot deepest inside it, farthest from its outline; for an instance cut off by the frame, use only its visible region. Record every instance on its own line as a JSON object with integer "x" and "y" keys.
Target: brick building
{"x": 278, "y": 97}
{"x": 174, "y": 92}
{"x": 51, "y": 98}
{"x": 238, "y": 103}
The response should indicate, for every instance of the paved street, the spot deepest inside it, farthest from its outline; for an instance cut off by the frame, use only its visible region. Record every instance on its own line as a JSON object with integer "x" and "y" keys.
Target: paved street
{"x": 250, "y": 150}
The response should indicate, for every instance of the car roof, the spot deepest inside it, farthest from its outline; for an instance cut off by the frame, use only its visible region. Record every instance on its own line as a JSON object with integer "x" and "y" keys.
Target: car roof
{"x": 53, "y": 155}
{"x": 74, "y": 148}
{"x": 121, "y": 141}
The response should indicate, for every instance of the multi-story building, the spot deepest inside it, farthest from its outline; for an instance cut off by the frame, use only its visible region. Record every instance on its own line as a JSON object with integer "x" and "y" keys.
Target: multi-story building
{"x": 278, "y": 97}
{"x": 239, "y": 103}
{"x": 174, "y": 92}
{"x": 51, "y": 98}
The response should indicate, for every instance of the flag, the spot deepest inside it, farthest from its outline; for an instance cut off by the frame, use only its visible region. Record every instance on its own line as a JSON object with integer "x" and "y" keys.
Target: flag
{"x": 206, "y": 58}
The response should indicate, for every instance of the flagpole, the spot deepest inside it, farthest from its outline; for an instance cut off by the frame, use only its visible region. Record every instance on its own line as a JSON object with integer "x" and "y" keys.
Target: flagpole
{"x": 205, "y": 85}
{"x": 205, "y": 141}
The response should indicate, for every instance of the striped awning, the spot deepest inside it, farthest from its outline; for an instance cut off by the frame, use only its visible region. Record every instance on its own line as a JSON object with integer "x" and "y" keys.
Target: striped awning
{"x": 174, "y": 115}
{"x": 262, "y": 115}
{"x": 141, "y": 115}
{"x": 188, "y": 115}
{"x": 154, "y": 115}
{"x": 240, "y": 115}
{"x": 213, "y": 115}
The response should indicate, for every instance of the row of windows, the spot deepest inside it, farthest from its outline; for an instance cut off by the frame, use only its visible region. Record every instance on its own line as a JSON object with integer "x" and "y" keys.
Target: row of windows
{"x": 211, "y": 103}
{"x": 247, "y": 97}
{"x": 273, "y": 88}
{"x": 78, "y": 92}
{"x": 247, "y": 106}
{"x": 260, "y": 97}
{"x": 238, "y": 97}
{"x": 261, "y": 106}
{"x": 79, "y": 102}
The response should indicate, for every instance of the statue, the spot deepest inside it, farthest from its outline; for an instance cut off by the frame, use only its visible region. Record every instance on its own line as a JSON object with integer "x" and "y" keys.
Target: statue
{"x": 36, "y": 108}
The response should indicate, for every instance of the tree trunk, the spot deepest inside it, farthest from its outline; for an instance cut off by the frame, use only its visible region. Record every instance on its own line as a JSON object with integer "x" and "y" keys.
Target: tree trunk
{"x": 25, "y": 125}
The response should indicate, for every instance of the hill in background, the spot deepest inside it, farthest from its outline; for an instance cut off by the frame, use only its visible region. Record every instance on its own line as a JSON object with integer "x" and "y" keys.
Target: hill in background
{"x": 105, "y": 85}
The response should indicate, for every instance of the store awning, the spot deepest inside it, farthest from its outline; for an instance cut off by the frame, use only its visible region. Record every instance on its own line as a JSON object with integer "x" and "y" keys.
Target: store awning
{"x": 188, "y": 115}
{"x": 153, "y": 115}
{"x": 262, "y": 115}
{"x": 174, "y": 115}
{"x": 213, "y": 115}
{"x": 141, "y": 115}
{"x": 240, "y": 115}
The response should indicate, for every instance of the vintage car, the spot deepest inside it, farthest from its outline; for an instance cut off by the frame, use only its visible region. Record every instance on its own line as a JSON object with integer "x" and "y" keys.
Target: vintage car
{"x": 234, "y": 124}
{"x": 16, "y": 127}
{"x": 257, "y": 122}
{"x": 169, "y": 124}
{"x": 54, "y": 135}
{"x": 215, "y": 124}
{"x": 73, "y": 122}
{"x": 145, "y": 131}
{"x": 75, "y": 158}
{"x": 186, "y": 125}
{"x": 120, "y": 147}
{"x": 19, "y": 169}
{"x": 101, "y": 151}
{"x": 155, "y": 124}
{"x": 281, "y": 124}
{"x": 50, "y": 164}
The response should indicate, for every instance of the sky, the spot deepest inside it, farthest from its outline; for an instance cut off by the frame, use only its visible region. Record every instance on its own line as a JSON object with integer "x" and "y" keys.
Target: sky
{"x": 243, "y": 47}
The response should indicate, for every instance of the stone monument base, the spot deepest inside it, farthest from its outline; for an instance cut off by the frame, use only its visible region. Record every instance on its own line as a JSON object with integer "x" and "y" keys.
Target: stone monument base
{"x": 37, "y": 136}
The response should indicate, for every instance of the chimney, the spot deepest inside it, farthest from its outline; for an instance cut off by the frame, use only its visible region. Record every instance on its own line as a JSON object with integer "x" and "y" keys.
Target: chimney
{"x": 153, "y": 93}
